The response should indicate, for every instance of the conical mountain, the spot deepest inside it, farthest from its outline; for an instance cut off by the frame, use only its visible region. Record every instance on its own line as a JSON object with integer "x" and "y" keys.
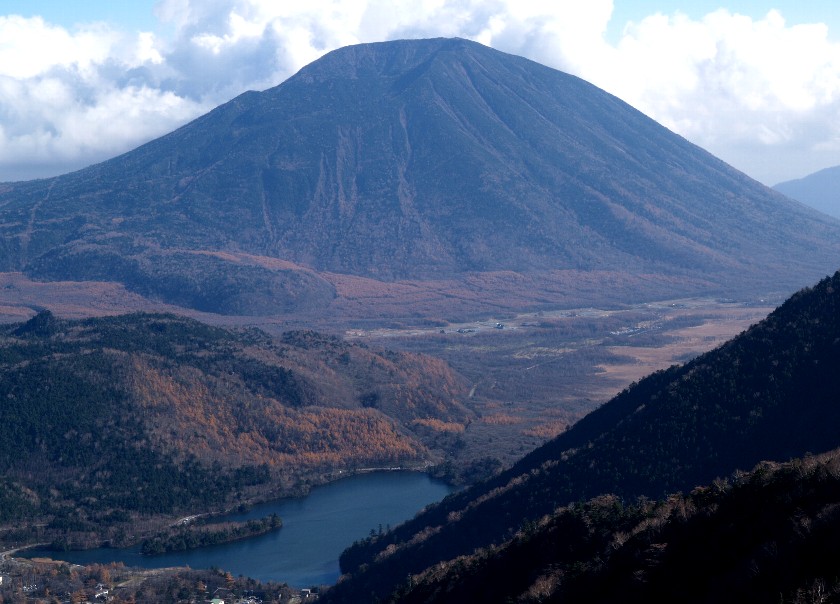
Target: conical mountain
{"x": 410, "y": 160}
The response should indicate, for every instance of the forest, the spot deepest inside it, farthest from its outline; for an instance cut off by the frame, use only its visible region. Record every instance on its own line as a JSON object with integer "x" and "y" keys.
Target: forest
{"x": 768, "y": 535}
{"x": 110, "y": 422}
{"x": 200, "y": 533}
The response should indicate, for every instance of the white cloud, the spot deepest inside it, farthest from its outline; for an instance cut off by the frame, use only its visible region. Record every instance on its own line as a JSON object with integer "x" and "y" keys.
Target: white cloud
{"x": 735, "y": 85}
{"x": 760, "y": 93}
{"x": 29, "y": 47}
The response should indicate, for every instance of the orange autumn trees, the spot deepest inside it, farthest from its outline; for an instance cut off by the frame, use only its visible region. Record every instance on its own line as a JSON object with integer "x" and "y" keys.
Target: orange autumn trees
{"x": 156, "y": 413}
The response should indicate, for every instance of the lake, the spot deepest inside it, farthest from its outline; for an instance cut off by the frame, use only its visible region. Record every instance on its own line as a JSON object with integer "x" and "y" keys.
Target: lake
{"x": 316, "y": 529}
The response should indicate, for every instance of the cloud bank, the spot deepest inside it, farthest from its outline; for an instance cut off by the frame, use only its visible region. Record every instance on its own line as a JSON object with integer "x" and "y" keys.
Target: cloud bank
{"x": 760, "y": 93}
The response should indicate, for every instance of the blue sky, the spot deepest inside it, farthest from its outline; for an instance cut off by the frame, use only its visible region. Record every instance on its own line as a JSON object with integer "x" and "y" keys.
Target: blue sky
{"x": 139, "y": 14}
{"x": 794, "y": 11}
{"x": 133, "y": 14}
{"x": 756, "y": 83}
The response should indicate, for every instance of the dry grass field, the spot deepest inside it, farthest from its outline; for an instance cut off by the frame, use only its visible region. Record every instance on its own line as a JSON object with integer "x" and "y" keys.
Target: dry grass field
{"x": 534, "y": 374}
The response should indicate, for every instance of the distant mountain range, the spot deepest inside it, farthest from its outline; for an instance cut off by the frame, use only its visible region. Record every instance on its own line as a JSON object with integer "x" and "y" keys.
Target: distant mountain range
{"x": 820, "y": 190}
{"x": 768, "y": 394}
{"x": 413, "y": 171}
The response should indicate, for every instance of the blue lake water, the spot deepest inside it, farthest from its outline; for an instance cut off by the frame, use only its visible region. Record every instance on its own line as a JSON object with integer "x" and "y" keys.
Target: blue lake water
{"x": 316, "y": 529}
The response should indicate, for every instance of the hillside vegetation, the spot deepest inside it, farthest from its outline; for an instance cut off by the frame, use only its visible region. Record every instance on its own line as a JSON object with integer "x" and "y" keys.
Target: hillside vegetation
{"x": 155, "y": 414}
{"x": 770, "y": 535}
{"x": 769, "y": 394}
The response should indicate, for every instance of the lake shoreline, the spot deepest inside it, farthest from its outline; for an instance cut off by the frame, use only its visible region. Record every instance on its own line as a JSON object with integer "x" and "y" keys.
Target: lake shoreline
{"x": 317, "y": 528}
{"x": 300, "y": 490}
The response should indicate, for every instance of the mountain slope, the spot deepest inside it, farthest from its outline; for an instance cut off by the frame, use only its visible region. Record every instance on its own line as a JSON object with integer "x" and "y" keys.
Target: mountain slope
{"x": 156, "y": 414}
{"x": 410, "y": 160}
{"x": 770, "y": 393}
{"x": 767, "y": 536}
{"x": 818, "y": 190}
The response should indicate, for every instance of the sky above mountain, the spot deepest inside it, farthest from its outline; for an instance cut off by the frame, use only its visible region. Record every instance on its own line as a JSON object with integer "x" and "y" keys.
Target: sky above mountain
{"x": 756, "y": 83}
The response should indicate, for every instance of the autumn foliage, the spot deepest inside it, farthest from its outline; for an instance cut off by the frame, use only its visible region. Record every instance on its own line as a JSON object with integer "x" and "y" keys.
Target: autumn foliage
{"x": 155, "y": 413}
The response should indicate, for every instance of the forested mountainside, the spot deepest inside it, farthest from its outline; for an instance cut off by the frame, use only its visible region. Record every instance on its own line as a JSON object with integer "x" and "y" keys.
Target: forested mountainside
{"x": 440, "y": 163}
{"x": 768, "y": 394}
{"x": 770, "y": 535}
{"x": 147, "y": 414}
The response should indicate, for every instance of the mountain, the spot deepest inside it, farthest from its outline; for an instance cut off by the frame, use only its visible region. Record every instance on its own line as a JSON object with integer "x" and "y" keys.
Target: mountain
{"x": 769, "y": 535}
{"x": 768, "y": 394}
{"x": 415, "y": 170}
{"x": 157, "y": 414}
{"x": 818, "y": 190}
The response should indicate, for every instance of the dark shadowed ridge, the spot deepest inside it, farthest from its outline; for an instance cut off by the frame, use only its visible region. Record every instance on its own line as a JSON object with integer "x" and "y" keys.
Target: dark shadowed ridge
{"x": 769, "y": 535}
{"x": 410, "y": 160}
{"x": 769, "y": 394}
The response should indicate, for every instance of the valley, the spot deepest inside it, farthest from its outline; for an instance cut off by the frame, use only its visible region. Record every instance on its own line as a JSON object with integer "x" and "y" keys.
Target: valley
{"x": 540, "y": 372}
{"x": 699, "y": 427}
{"x": 531, "y": 374}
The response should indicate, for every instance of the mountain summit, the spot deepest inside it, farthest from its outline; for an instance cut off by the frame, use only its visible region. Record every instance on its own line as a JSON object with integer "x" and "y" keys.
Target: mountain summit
{"x": 410, "y": 160}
